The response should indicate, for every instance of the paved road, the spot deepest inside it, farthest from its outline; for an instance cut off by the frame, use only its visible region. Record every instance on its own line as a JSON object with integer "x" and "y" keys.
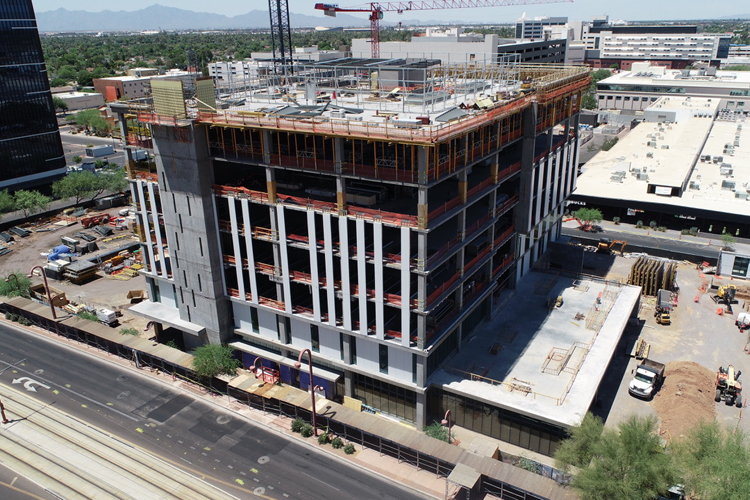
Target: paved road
{"x": 242, "y": 458}
{"x": 75, "y": 145}
{"x": 641, "y": 240}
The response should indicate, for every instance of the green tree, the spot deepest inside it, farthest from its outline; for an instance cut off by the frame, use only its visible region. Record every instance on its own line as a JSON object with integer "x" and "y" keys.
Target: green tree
{"x": 728, "y": 241}
{"x": 77, "y": 159}
{"x": 30, "y": 202}
{"x": 211, "y": 360}
{"x": 625, "y": 464}
{"x": 19, "y": 286}
{"x": 588, "y": 217}
{"x": 76, "y": 185}
{"x": 112, "y": 179}
{"x": 579, "y": 449}
{"x": 610, "y": 143}
{"x": 715, "y": 462}
{"x": 7, "y": 202}
{"x": 60, "y": 104}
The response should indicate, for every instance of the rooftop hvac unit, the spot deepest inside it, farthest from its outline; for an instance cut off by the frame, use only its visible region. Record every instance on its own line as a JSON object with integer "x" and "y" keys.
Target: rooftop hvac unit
{"x": 726, "y": 171}
{"x": 616, "y": 178}
{"x": 730, "y": 185}
{"x": 742, "y": 195}
{"x": 649, "y": 155}
{"x": 695, "y": 185}
{"x": 651, "y": 144}
{"x": 642, "y": 177}
{"x": 737, "y": 143}
{"x": 665, "y": 146}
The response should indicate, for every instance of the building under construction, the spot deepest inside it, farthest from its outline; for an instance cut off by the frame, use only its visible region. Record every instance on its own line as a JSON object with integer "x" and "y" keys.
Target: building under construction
{"x": 371, "y": 211}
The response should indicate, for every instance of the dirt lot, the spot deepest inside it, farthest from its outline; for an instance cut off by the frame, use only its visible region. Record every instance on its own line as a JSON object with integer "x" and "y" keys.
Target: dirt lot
{"x": 694, "y": 346}
{"x": 102, "y": 292}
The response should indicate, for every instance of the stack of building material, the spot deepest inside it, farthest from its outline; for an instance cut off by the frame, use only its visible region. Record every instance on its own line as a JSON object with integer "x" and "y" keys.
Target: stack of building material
{"x": 653, "y": 275}
{"x": 80, "y": 272}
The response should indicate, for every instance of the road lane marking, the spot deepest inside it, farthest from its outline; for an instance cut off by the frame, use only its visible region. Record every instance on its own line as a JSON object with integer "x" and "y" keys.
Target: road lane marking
{"x": 322, "y": 482}
{"x": 67, "y": 388}
{"x": 29, "y": 384}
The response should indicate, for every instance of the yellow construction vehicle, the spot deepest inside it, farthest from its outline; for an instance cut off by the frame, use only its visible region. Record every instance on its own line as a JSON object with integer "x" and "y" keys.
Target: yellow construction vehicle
{"x": 725, "y": 295}
{"x": 606, "y": 245}
{"x": 664, "y": 304}
{"x": 728, "y": 387}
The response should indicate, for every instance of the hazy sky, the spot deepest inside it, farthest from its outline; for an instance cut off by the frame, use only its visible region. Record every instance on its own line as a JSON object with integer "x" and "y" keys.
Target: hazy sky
{"x": 578, "y": 10}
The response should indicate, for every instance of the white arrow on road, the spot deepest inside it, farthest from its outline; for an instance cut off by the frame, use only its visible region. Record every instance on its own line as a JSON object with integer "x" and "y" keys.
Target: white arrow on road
{"x": 29, "y": 383}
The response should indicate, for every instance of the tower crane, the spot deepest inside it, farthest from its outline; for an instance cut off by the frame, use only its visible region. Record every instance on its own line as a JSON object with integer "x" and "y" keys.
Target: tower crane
{"x": 376, "y": 10}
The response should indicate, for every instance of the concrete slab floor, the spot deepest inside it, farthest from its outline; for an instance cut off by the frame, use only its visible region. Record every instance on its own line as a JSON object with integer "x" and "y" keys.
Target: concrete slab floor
{"x": 549, "y": 362}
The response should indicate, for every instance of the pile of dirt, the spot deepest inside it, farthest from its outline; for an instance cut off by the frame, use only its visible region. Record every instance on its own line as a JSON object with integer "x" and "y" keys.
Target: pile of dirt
{"x": 686, "y": 398}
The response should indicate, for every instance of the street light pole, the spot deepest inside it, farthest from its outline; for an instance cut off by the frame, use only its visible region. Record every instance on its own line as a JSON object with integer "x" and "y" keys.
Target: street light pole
{"x": 2, "y": 412}
{"x": 46, "y": 288}
{"x": 298, "y": 365}
{"x": 447, "y": 421}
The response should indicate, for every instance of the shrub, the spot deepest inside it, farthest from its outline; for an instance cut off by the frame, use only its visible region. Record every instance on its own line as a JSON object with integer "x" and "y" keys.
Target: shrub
{"x": 639, "y": 224}
{"x": 693, "y": 231}
{"x": 128, "y": 331}
{"x": 11, "y": 316}
{"x": 24, "y": 321}
{"x": 616, "y": 220}
{"x": 297, "y": 425}
{"x": 88, "y": 315}
{"x": 211, "y": 360}
{"x": 337, "y": 443}
{"x": 349, "y": 449}
{"x": 437, "y": 430}
{"x": 172, "y": 344}
{"x": 652, "y": 224}
{"x": 307, "y": 430}
{"x": 323, "y": 438}
{"x": 663, "y": 229}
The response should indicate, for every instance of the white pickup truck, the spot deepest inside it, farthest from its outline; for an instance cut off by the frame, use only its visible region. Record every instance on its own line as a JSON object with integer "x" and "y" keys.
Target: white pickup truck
{"x": 648, "y": 377}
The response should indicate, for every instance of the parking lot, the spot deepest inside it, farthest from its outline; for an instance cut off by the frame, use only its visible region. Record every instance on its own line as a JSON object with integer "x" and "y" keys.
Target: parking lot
{"x": 697, "y": 334}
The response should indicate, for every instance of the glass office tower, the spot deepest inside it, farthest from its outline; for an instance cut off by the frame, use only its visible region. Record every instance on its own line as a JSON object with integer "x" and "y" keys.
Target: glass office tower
{"x": 31, "y": 151}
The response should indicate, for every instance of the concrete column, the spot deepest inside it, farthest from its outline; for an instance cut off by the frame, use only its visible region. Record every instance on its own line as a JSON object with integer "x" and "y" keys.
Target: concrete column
{"x": 422, "y": 208}
{"x": 236, "y": 247}
{"x": 348, "y": 384}
{"x": 362, "y": 275}
{"x": 273, "y": 214}
{"x": 379, "y": 292}
{"x": 265, "y": 140}
{"x": 249, "y": 250}
{"x": 463, "y": 185}
{"x": 341, "y": 195}
{"x": 313, "y": 249}
{"x": 421, "y": 370}
{"x": 283, "y": 265}
{"x": 405, "y": 286}
{"x": 338, "y": 154}
{"x": 495, "y": 167}
{"x": 522, "y": 219}
{"x": 346, "y": 290}
{"x": 271, "y": 184}
{"x": 421, "y": 411}
{"x": 330, "y": 274}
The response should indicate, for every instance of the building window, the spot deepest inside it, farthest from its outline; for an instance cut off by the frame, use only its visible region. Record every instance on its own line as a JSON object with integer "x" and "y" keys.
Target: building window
{"x": 636, "y": 99}
{"x": 627, "y": 98}
{"x": 740, "y": 266}
{"x": 353, "y": 349}
{"x": 383, "y": 358}
{"x": 254, "y": 319}
{"x": 314, "y": 338}
{"x": 341, "y": 345}
{"x": 414, "y": 368}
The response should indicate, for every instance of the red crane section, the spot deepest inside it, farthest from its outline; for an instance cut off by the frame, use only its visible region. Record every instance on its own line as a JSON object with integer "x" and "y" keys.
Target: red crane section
{"x": 376, "y": 10}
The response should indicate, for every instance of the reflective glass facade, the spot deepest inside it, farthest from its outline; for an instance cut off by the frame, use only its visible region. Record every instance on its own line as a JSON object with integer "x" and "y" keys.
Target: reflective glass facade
{"x": 30, "y": 142}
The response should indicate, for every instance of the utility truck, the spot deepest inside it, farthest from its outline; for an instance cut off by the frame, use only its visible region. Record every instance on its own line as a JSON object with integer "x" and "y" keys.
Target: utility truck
{"x": 647, "y": 379}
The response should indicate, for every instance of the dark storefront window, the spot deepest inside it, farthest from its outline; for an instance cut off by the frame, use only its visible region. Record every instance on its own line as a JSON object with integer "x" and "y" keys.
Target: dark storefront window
{"x": 740, "y": 266}
{"x": 385, "y": 397}
{"x": 528, "y": 433}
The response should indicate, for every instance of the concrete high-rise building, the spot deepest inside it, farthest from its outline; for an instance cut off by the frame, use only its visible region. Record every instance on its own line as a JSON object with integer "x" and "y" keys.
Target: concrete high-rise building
{"x": 30, "y": 144}
{"x": 371, "y": 211}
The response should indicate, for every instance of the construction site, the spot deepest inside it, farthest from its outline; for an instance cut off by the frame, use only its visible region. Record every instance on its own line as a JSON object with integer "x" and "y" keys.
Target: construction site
{"x": 370, "y": 210}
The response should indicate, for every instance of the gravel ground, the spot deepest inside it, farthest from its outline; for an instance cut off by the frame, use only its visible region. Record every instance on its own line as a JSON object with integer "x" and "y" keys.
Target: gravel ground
{"x": 102, "y": 292}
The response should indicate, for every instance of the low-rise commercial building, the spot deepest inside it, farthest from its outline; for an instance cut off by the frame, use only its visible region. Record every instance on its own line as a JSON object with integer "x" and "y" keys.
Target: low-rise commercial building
{"x": 81, "y": 100}
{"x": 645, "y": 84}
{"x": 686, "y": 166}
{"x": 135, "y": 87}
